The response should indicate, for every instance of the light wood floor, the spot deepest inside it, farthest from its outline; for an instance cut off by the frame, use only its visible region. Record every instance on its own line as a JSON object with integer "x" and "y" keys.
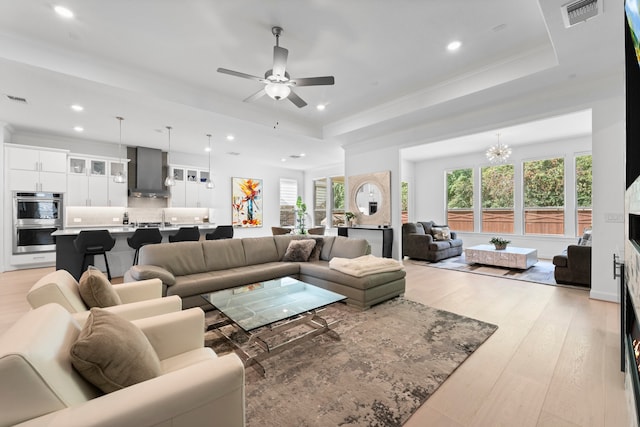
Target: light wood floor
{"x": 553, "y": 362}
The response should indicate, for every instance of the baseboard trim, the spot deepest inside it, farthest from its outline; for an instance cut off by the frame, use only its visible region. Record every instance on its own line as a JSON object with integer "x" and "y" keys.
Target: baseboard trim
{"x": 605, "y": 296}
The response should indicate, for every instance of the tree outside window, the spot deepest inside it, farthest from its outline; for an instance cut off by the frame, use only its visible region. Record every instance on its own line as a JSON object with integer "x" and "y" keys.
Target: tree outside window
{"x": 460, "y": 199}
{"x": 544, "y": 196}
{"x": 583, "y": 193}
{"x": 404, "y": 200}
{"x": 497, "y": 199}
{"x": 337, "y": 206}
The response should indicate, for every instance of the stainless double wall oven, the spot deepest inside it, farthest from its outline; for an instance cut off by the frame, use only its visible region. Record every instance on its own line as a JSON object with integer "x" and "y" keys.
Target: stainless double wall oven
{"x": 36, "y": 216}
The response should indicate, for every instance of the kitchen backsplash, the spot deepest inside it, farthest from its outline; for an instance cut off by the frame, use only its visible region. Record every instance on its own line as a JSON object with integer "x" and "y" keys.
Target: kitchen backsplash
{"x": 81, "y": 216}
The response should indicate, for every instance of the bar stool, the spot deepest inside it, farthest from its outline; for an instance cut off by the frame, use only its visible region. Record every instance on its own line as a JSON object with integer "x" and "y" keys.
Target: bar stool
{"x": 221, "y": 232}
{"x": 141, "y": 237}
{"x": 186, "y": 234}
{"x": 94, "y": 242}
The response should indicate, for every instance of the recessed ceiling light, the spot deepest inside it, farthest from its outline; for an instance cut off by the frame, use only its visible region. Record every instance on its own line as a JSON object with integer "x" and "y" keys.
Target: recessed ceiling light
{"x": 321, "y": 107}
{"x": 78, "y": 128}
{"x": 207, "y": 149}
{"x": 63, "y": 11}
{"x": 230, "y": 137}
{"x": 302, "y": 154}
{"x": 283, "y": 160}
{"x": 454, "y": 45}
{"x": 76, "y": 107}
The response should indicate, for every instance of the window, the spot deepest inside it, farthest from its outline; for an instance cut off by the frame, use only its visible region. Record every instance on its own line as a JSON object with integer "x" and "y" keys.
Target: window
{"x": 288, "y": 196}
{"x": 544, "y": 196}
{"x": 497, "y": 199}
{"x": 583, "y": 193}
{"x": 320, "y": 201}
{"x": 460, "y": 199}
{"x": 337, "y": 205}
{"x": 404, "y": 194}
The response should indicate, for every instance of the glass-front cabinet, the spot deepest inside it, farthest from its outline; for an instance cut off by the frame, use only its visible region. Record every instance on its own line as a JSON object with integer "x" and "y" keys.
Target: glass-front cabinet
{"x": 190, "y": 189}
{"x": 91, "y": 181}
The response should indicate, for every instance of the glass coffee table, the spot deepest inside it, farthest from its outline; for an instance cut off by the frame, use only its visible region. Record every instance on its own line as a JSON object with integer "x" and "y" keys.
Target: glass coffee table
{"x": 266, "y": 309}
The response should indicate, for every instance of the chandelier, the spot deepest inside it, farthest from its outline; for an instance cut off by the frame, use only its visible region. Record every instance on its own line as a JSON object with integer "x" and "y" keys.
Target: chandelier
{"x": 498, "y": 153}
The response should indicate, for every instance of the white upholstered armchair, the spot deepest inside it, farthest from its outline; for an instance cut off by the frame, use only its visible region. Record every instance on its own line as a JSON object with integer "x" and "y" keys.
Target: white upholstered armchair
{"x": 40, "y": 387}
{"x": 138, "y": 299}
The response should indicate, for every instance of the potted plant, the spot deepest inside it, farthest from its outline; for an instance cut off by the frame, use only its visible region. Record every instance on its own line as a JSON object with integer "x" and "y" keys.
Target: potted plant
{"x": 499, "y": 242}
{"x": 301, "y": 211}
{"x": 350, "y": 217}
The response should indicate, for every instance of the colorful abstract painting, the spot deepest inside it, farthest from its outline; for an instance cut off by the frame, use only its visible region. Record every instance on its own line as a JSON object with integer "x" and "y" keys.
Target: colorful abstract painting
{"x": 246, "y": 203}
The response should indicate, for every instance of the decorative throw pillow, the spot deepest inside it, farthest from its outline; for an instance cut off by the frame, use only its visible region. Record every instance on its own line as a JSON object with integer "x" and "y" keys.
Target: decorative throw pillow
{"x": 96, "y": 290}
{"x": 317, "y": 249}
{"x": 585, "y": 240}
{"x": 112, "y": 353}
{"x": 299, "y": 250}
{"x": 441, "y": 233}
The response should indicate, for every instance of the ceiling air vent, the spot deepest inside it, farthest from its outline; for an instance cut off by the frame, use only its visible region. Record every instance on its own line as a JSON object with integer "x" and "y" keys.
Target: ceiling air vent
{"x": 17, "y": 99}
{"x": 579, "y": 11}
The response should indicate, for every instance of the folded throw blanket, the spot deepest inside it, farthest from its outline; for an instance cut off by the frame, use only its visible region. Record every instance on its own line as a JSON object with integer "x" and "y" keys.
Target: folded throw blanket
{"x": 364, "y": 265}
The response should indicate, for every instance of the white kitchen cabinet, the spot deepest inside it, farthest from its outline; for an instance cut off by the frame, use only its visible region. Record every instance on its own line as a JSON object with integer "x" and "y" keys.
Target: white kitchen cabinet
{"x": 118, "y": 191}
{"x": 89, "y": 183}
{"x": 36, "y": 169}
{"x": 190, "y": 190}
{"x": 178, "y": 191}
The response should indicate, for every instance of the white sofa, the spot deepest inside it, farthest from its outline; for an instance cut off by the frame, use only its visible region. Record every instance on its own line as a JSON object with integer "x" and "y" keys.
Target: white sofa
{"x": 39, "y": 387}
{"x": 139, "y": 299}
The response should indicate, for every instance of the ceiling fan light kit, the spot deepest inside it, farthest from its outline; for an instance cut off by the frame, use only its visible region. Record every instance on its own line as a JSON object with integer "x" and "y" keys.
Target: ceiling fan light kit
{"x": 278, "y": 84}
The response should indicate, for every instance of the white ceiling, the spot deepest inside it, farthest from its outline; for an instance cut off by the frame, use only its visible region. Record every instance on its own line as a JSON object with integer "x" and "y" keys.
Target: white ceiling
{"x": 154, "y": 63}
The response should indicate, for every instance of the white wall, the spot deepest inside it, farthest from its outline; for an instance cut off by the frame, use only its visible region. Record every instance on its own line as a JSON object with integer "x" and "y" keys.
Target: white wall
{"x": 360, "y": 161}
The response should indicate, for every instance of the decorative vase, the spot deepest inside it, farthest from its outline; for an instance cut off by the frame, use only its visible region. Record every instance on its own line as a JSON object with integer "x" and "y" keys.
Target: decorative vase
{"x": 500, "y": 246}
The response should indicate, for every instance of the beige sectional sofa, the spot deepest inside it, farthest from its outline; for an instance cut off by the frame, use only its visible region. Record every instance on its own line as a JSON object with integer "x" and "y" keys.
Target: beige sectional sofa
{"x": 188, "y": 269}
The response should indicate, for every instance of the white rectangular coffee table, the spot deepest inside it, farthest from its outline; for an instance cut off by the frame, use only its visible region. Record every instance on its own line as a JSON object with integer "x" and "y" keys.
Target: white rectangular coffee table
{"x": 511, "y": 257}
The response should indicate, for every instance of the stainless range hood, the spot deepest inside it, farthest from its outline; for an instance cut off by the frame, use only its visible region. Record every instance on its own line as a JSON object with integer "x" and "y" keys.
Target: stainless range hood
{"x": 148, "y": 170}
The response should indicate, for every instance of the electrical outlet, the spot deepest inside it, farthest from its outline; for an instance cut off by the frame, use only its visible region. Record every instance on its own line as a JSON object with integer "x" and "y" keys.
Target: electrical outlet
{"x": 115, "y": 219}
{"x": 77, "y": 219}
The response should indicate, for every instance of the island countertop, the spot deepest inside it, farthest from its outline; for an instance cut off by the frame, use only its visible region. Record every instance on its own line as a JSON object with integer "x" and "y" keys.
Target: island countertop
{"x": 74, "y": 231}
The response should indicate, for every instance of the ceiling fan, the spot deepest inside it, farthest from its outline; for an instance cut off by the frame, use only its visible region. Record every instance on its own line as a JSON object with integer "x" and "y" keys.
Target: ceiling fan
{"x": 278, "y": 84}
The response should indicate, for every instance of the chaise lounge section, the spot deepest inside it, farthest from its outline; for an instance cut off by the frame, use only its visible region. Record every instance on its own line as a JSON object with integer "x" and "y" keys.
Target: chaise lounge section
{"x": 189, "y": 269}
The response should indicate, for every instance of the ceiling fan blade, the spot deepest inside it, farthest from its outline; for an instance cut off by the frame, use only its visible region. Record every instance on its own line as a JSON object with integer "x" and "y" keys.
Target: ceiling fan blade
{"x": 239, "y": 74}
{"x": 280, "y": 55}
{"x": 293, "y": 97}
{"x": 257, "y": 95}
{"x": 313, "y": 81}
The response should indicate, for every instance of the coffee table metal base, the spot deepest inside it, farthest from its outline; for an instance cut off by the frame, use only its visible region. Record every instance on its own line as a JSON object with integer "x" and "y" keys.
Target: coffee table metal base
{"x": 318, "y": 324}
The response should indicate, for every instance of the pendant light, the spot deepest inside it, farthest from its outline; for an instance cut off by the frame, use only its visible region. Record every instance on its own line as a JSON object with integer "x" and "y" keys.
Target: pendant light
{"x": 169, "y": 181}
{"x": 120, "y": 177}
{"x": 210, "y": 185}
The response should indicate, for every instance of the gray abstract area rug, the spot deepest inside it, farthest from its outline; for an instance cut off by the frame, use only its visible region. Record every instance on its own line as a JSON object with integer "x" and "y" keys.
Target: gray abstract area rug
{"x": 387, "y": 363}
{"x": 540, "y": 272}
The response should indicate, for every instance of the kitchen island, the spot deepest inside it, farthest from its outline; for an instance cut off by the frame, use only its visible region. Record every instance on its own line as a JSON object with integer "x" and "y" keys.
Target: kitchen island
{"x": 120, "y": 257}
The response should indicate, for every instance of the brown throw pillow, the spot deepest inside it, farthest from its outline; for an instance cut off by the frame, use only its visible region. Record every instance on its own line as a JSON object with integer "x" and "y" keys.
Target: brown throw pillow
{"x": 317, "y": 249}
{"x": 96, "y": 290}
{"x": 299, "y": 250}
{"x": 112, "y": 353}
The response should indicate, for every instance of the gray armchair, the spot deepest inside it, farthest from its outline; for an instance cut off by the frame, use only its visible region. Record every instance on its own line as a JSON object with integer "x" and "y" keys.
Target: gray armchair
{"x": 419, "y": 242}
{"x": 573, "y": 267}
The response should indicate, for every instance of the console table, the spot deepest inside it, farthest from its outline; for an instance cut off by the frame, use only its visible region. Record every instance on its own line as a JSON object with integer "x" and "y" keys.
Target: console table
{"x": 380, "y": 239}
